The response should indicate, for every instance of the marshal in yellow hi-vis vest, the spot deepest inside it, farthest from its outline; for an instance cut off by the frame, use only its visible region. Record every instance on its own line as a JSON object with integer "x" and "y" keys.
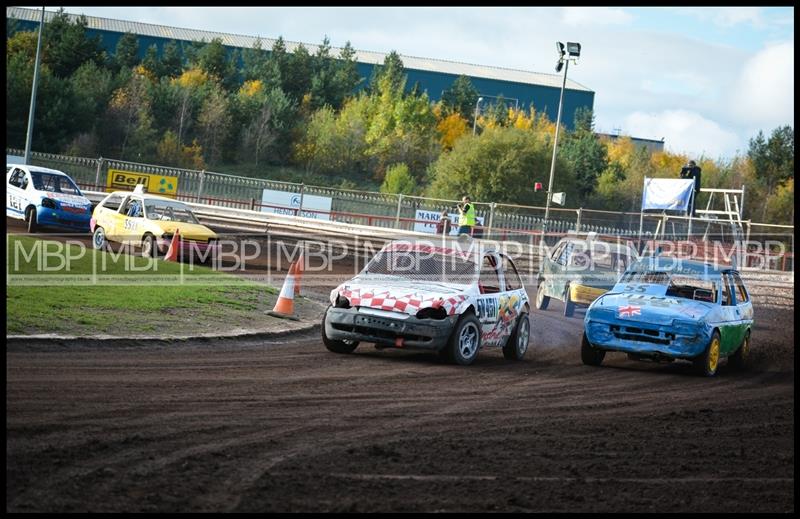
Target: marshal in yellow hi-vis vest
{"x": 467, "y": 217}
{"x": 119, "y": 180}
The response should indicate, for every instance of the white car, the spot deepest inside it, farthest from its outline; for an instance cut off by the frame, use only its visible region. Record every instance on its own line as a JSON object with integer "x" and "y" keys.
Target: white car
{"x": 45, "y": 197}
{"x": 435, "y": 296}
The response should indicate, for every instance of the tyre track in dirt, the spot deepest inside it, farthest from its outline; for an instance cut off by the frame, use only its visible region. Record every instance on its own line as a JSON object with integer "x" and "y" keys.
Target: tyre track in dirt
{"x": 286, "y": 425}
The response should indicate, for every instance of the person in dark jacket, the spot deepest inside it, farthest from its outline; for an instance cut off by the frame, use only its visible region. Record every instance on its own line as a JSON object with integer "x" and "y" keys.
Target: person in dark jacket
{"x": 692, "y": 170}
{"x": 444, "y": 224}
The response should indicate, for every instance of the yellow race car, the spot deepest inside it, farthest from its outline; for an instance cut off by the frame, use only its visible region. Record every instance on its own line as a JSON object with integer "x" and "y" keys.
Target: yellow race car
{"x": 139, "y": 219}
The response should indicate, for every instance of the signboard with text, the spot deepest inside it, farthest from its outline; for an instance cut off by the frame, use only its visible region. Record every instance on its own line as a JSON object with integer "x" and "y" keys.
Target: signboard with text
{"x": 287, "y": 202}
{"x": 119, "y": 180}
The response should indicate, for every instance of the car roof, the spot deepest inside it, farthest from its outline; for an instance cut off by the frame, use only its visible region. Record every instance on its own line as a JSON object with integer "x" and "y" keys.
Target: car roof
{"x": 680, "y": 266}
{"x": 613, "y": 246}
{"x": 38, "y": 169}
{"x": 145, "y": 195}
{"x": 468, "y": 250}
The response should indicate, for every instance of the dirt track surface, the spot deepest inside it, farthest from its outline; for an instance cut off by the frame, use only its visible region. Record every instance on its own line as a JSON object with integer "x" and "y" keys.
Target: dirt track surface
{"x": 285, "y": 425}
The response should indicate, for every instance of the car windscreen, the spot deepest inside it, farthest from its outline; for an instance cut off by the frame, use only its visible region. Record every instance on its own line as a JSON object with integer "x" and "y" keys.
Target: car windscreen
{"x": 690, "y": 287}
{"x": 645, "y": 277}
{"x": 422, "y": 266}
{"x": 54, "y": 183}
{"x": 168, "y": 211}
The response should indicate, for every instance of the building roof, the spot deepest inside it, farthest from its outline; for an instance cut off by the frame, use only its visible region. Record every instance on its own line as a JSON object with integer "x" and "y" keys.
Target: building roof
{"x": 367, "y": 57}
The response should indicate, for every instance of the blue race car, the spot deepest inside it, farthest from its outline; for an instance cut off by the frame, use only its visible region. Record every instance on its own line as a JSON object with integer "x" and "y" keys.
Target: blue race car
{"x": 665, "y": 309}
{"x": 45, "y": 197}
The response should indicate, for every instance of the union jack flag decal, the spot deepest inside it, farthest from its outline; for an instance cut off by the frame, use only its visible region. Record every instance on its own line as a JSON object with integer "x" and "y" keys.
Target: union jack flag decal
{"x": 630, "y": 311}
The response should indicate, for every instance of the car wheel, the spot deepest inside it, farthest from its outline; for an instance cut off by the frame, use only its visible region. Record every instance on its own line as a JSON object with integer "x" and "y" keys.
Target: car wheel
{"x": 569, "y": 306}
{"x": 517, "y": 343}
{"x": 541, "y": 300}
{"x": 465, "y": 341}
{"x": 707, "y": 363}
{"x": 149, "y": 247}
{"x": 30, "y": 217}
{"x": 335, "y": 345}
{"x": 590, "y": 355}
{"x": 739, "y": 360}
{"x": 99, "y": 240}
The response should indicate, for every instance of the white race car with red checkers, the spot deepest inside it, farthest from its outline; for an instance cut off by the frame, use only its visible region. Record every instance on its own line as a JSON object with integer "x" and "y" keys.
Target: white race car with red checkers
{"x": 446, "y": 296}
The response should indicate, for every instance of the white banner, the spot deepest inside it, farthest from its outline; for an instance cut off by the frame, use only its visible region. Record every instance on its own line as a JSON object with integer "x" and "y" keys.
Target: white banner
{"x": 670, "y": 194}
{"x": 433, "y": 218}
{"x": 287, "y": 202}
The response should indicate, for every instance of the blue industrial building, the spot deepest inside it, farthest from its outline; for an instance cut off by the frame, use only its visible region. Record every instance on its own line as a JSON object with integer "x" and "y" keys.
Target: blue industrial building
{"x": 518, "y": 87}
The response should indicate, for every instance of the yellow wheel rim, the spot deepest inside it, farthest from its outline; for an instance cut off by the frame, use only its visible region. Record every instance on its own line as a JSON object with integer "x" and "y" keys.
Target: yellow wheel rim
{"x": 746, "y": 347}
{"x": 713, "y": 355}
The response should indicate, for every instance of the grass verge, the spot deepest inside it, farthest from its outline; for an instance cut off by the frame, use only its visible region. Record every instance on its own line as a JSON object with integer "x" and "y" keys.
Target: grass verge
{"x": 98, "y": 293}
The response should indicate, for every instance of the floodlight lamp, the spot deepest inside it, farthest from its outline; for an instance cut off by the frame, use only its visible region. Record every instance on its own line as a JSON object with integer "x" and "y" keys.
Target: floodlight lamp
{"x": 574, "y": 49}
{"x": 559, "y": 66}
{"x": 560, "y": 49}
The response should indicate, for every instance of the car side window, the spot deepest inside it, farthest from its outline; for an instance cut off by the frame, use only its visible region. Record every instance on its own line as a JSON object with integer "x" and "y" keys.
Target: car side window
{"x": 513, "y": 281}
{"x": 16, "y": 178}
{"x": 112, "y": 202}
{"x": 727, "y": 292}
{"x": 557, "y": 251}
{"x": 133, "y": 208}
{"x": 565, "y": 253}
{"x": 741, "y": 293}
{"x": 489, "y": 281}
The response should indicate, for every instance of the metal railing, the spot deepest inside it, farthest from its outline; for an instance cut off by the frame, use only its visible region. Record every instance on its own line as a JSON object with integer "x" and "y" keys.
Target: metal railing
{"x": 499, "y": 221}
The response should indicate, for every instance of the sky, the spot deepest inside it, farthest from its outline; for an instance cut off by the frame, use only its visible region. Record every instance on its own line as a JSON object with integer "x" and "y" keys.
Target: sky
{"x": 704, "y": 79}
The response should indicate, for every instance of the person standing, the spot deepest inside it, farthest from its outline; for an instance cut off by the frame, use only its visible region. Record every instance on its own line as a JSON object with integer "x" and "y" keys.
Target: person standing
{"x": 466, "y": 216}
{"x": 692, "y": 170}
{"x": 444, "y": 225}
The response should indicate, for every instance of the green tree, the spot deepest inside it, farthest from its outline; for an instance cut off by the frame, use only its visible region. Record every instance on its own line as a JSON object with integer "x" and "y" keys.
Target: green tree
{"x": 587, "y": 156}
{"x": 19, "y": 75}
{"x": 211, "y": 58}
{"x": 151, "y": 61}
{"x": 346, "y": 77}
{"x": 498, "y": 166}
{"x": 171, "y": 60}
{"x": 398, "y": 180}
{"x": 772, "y": 159}
{"x": 461, "y": 98}
{"x": 254, "y": 62}
{"x": 95, "y": 85}
{"x": 129, "y": 131}
{"x": 267, "y": 116}
{"x": 214, "y": 122}
{"x": 297, "y": 74}
{"x": 67, "y": 45}
{"x": 127, "y": 52}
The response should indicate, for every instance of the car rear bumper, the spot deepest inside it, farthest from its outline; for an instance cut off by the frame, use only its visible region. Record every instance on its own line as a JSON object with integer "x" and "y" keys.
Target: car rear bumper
{"x": 645, "y": 339}
{"x": 411, "y": 332}
{"x": 584, "y": 295}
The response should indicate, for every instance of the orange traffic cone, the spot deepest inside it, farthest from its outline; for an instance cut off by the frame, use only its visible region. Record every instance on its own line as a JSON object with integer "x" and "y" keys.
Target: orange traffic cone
{"x": 298, "y": 270}
{"x": 284, "y": 307}
{"x": 172, "y": 252}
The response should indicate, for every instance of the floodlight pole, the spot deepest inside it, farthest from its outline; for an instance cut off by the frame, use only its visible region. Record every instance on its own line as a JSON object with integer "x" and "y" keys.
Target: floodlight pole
{"x": 475, "y": 121}
{"x": 29, "y": 134}
{"x": 555, "y": 146}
